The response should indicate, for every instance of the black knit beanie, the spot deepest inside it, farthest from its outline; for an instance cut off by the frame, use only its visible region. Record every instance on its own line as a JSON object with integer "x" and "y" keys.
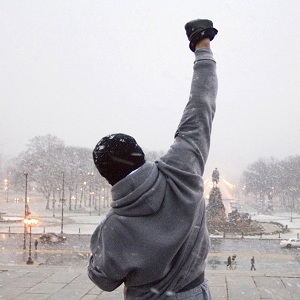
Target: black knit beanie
{"x": 116, "y": 156}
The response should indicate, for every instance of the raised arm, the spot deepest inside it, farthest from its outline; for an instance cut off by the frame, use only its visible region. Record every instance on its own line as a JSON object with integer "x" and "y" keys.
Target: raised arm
{"x": 196, "y": 122}
{"x": 192, "y": 139}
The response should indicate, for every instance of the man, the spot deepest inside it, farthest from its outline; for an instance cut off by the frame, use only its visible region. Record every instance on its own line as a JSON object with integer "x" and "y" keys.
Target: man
{"x": 229, "y": 263}
{"x": 36, "y": 244}
{"x": 233, "y": 261}
{"x": 252, "y": 264}
{"x": 154, "y": 240}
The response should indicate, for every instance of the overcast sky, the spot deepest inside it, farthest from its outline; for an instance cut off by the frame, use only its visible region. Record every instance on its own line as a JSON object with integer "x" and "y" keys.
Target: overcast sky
{"x": 80, "y": 70}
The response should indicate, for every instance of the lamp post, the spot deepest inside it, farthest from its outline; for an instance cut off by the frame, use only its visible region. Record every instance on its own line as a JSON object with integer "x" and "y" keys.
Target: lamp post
{"x": 26, "y": 210}
{"x": 62, "y": 204}
{"x": 90, "y": 174}
{"x": 73, "y": 198}
{"x": 83, "y": 194}
{"x": 292, "y": 205}
{"x": 6, "y": 188}
{"x": 30, "y": 222}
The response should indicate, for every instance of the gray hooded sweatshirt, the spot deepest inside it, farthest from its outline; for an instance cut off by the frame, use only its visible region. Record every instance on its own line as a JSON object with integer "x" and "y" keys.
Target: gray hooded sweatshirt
{"x": 154, "y": 239}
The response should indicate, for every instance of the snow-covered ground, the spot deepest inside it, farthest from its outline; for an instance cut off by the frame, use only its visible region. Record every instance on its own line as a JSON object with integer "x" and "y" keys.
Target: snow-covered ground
{"x": 85, "y": 220}
{"x": 288, "y": 220}
{"x": 82, "y": 220}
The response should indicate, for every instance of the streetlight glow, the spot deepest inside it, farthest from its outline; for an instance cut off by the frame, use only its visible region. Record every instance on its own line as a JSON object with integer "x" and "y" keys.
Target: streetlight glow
{"x": 30, "y": 222}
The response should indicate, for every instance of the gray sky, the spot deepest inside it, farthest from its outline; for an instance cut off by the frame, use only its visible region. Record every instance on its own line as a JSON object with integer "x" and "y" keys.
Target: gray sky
{"x": 84, "y": 69}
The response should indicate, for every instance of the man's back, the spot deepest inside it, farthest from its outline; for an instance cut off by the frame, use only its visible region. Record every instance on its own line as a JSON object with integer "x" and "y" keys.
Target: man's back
{"x": 155, "y": 238}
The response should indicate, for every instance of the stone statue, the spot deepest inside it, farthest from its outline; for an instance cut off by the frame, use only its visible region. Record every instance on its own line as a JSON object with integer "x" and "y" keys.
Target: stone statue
{"x": 215, "y": 176}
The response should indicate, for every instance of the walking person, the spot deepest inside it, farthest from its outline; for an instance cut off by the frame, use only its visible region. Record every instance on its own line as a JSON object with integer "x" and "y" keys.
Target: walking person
{"x": 229, "y": 263}
{"x": 154, "y": 239}
{"x": 233, "y": 262}
{"x": 253, "y": 264}
{"x": 36, "y": 244}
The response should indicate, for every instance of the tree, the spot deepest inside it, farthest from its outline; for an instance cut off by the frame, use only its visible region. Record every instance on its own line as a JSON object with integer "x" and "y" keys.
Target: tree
{"x": 47, "y": 159}
{"x": 14, "y": 168}
{"x": 42, "y": 160}
{"x": 272, "y": 177}
{"x": 152, "y": 156}
{"x": 76, "y": 162}
{"x": 261, "y": 179}
{"x": 290, "y": 181}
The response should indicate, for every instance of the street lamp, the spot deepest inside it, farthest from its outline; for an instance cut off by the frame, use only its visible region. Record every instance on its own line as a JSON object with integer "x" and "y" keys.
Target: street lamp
{"x": 292, "y": 206}
{"x": 62, "y": 204}
{"x": 83, "y": 194}
{"x": 30, "y": 222}
{"x": 26, "y": 211}
{"x": 90, "y": 174}
{"x": 73, "y": 198}
{"x": 6, "y": 188}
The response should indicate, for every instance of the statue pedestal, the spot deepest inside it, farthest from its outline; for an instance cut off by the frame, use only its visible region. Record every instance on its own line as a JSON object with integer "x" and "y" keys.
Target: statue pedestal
{"x": 217, "y": 221}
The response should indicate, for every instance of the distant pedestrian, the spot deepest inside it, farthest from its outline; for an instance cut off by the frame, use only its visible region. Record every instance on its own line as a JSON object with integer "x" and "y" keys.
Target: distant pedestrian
{"x": 36, "y": 244}
{"x": 252, "y": 264}
{"x": 228, "y": 263}
{"x": 233, "y": 262}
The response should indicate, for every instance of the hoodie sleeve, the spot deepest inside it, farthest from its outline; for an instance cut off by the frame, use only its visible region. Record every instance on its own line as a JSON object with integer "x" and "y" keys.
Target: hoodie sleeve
{"x": 102, "y": 269}
{"x": 100, "y": 279}
{"x": 190, "y": 149}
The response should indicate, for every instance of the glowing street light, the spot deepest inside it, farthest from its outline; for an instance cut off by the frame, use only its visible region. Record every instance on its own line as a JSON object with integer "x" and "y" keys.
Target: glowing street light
{"x": 30, "y": 222}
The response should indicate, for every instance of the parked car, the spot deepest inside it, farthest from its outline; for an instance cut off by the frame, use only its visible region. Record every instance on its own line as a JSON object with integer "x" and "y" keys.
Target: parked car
{"x": 52, "y": 237}
{"x": 290, "y": 243}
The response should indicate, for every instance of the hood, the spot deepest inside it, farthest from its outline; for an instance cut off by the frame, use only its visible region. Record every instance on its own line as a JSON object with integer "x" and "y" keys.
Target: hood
{"x": 140, "y": 193}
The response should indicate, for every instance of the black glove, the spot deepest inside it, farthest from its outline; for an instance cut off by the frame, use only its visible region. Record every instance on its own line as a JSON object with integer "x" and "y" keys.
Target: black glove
{"x": 199, "y": 29}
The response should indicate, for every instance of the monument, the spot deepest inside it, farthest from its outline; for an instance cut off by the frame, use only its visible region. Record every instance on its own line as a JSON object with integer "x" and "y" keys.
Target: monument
{"x": 215, "y": 209}
{"x": 217, "y": 220}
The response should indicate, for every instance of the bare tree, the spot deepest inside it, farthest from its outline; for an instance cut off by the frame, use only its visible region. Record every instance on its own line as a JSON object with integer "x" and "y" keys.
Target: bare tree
{"x": 42, "y": 161}
{"x": 267, "y": 178}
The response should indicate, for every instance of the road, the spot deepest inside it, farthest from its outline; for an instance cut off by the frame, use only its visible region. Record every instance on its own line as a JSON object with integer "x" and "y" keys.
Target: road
{"x": 268, "y": 255}
{"x": 75, "y": 252}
